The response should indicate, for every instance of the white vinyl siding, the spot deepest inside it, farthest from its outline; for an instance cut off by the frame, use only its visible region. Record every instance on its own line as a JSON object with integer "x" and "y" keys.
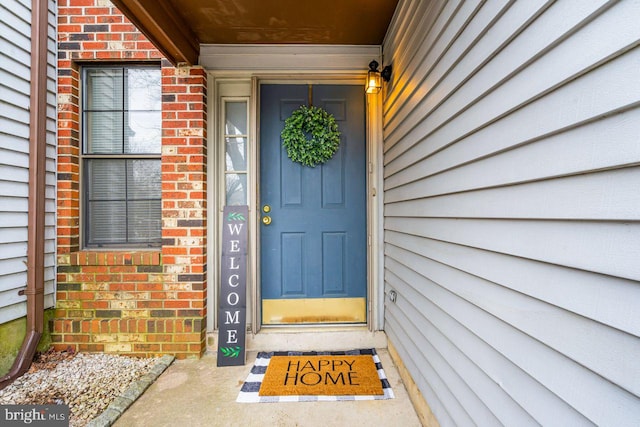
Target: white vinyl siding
{"x": 15, "y": 59}
{"x": 512, "y": 208}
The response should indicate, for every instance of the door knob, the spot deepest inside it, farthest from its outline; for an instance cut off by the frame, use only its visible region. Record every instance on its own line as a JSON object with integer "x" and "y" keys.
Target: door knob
{"x": 266, "y": 220}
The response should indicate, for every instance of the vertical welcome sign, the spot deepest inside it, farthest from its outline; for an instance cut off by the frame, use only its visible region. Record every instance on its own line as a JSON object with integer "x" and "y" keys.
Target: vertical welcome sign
{"x": 232, "y": 306}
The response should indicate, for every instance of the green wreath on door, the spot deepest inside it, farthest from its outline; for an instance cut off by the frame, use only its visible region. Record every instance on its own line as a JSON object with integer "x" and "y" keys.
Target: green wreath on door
{"x": 310, "y": 136}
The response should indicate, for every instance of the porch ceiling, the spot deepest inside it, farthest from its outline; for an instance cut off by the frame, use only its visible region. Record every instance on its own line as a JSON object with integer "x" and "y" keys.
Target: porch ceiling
{"x": 178, "y": 27}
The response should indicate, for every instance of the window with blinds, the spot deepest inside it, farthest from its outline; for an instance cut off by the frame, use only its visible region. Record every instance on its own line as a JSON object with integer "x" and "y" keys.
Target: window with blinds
{"x": 122, "y": 129}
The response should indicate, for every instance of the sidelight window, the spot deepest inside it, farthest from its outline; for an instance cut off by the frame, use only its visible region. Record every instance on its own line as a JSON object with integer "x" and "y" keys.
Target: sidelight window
{"x": 235, "y": 121}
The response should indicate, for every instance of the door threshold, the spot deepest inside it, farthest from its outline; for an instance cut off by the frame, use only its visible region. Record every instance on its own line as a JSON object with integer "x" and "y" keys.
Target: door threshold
{"x": 315, "y": 338}
{"x": 308, "y": 339}
{"x": 313, "y": 327}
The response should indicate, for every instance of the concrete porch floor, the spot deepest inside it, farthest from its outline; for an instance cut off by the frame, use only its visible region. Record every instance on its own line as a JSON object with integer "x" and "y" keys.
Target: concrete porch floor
{"x": 198, "y": 393}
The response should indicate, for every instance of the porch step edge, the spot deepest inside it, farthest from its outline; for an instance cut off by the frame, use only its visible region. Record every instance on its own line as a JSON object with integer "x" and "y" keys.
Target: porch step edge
{"x": 286, "y": 339}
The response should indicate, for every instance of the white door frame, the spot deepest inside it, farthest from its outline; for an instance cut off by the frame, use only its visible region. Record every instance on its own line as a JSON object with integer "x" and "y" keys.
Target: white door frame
{"x": 298, "y": 65}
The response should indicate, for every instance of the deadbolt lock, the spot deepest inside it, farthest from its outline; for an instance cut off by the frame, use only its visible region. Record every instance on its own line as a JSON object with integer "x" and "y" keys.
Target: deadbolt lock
{"x": 266, "y": 208}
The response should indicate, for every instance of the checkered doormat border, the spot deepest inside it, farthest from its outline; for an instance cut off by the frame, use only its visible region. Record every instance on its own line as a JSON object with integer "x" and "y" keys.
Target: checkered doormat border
{"x": 249, "y": 391}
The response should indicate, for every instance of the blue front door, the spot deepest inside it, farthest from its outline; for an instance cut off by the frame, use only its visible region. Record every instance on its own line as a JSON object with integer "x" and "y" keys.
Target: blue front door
{"x": 313, "y": 253}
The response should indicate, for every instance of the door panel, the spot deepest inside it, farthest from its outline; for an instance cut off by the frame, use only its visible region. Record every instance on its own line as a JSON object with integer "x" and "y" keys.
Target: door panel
{"x": 292, "y": 248}
{"x": 315, "y": 246}
{"x": 334, "y": 255}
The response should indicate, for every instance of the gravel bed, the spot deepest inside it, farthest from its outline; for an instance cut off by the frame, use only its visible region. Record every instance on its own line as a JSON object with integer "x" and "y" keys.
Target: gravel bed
{"x": 88, "y": 383}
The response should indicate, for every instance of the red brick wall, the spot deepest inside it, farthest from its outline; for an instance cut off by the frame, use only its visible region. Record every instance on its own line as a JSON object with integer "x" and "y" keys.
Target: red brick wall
{"x": 132, "y": 302}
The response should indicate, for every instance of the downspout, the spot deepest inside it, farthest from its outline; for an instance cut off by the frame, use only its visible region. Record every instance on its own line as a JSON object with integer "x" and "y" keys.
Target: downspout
{"x": 36, "y": 209}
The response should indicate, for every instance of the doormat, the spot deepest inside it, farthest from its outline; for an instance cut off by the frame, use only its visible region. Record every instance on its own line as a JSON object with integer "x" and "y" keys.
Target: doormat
{"x": 316, "y": 376}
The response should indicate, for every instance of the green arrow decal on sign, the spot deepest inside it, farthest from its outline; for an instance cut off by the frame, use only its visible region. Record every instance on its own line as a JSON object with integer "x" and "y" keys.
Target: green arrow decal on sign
{"x": 231, "y": 351}
{"x": 235, "y": 216}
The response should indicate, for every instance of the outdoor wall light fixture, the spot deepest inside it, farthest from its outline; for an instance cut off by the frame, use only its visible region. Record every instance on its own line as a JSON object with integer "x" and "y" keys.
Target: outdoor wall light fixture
{"x": 375, "y": 77}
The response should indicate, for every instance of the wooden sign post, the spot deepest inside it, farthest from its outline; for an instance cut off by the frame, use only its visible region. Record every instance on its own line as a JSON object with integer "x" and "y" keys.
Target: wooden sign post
{"x": 232, "y": 305}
